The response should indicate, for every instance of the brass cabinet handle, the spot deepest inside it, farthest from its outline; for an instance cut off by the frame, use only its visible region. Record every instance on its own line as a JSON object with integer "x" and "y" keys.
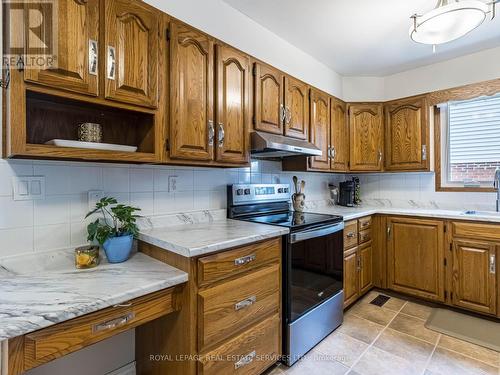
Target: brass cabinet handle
{"x": 245, "y": 360}
{"x": 379, "y": 156}
{"x": 288, "y": 115}
{"x": 211, "y": 133}
{"x": 351, "y": 234}
{"x": 245, "y": 303}
{"x": 282, "y": 114}
{"x": 424, "y": 152}
{"x": 244, "y": 260}
{"x": 221, "y": 134}
{"x": 365, "y": 224}
{"x": 333, "y": 153}
{"x": 388, "y": 231}
{"x": 493, "y": 264}
{"x": 123, "y": 304}
{"x": 93, "y": 57}
{"x": 111, "y": 63}
{"x": 113, "y": 323}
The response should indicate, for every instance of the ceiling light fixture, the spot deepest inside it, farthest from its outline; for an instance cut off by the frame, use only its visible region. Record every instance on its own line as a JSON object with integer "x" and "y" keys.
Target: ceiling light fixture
{"x": 450, "y": 20}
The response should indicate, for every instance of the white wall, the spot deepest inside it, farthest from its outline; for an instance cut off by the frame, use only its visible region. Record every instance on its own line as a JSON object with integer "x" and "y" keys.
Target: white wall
{"x": 219, "y": 19}
{"x": 360, "y": 89}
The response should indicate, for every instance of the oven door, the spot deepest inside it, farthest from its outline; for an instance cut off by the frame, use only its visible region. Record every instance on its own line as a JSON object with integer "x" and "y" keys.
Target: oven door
{"x": 314, "y": 268}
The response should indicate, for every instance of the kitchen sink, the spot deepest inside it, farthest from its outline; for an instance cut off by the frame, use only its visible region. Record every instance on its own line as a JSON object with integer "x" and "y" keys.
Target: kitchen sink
{"x": 53, "y": 262}
{"x": 481, "y": 213}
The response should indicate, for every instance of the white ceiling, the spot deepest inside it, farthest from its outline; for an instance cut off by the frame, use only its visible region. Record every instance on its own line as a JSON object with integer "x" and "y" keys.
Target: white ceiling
{"x": 362, "y": 37}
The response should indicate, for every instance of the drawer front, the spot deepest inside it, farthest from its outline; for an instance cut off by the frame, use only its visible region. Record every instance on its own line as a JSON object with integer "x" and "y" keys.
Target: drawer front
{"x": 477, "y": 231}
{"x": 365, "y": 236}
{"x": 249, "y": 353}
{"x": 66, "y": 337}
{"x": 232, "y": 306}
{"x": 365, "y": 222}
{"x": 350, "y": 234}
{"x": 228, "y": 263}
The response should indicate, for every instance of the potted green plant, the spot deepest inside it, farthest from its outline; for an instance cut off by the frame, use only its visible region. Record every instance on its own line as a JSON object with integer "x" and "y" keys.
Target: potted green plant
{"x": 115, "y": 230}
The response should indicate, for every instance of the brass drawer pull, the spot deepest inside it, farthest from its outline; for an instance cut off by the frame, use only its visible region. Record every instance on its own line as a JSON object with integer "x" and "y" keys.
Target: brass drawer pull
{"x": 123, "y": 304}
{"x": 113, "y": 323}
{"x": 245, "y": 360}
{"x": 244, "y": 260}
{"x": 245, "y": 303}
{"x": 493, "y": 264}
{"x": 365, "y": 224}
{"x": 351, "y": 235}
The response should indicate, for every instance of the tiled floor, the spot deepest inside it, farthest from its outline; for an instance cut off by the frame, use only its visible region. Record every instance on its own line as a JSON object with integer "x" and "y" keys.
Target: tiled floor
{"x": 392, "y": 340}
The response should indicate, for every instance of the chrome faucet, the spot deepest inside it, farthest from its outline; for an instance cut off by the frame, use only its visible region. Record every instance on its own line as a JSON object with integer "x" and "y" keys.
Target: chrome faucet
{"x": 496, "y": 183}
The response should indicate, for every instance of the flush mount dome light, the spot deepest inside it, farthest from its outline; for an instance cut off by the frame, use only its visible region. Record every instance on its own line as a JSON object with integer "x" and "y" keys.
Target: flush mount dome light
{"x": 450, "y": 20}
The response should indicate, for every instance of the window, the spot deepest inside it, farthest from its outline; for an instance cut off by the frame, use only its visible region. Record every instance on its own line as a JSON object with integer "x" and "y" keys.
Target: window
{"x": 470, "y": 150}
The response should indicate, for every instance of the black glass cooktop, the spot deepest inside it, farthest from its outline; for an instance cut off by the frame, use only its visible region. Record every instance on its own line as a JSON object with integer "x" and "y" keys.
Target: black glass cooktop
{"x": 294, "y": 219}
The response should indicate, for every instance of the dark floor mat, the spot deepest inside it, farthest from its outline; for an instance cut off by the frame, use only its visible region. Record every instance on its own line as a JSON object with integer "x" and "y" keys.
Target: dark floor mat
{"x": 380, "y": 300}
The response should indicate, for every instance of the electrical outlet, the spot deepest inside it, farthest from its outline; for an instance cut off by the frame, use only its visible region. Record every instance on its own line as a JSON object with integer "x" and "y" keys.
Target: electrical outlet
{"x": 172, "y": 183}
{"x": 28, "y": 188}
{"x": 94, "y": 197}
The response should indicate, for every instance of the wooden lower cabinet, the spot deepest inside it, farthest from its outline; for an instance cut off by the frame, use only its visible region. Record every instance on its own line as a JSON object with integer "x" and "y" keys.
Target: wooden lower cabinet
{"x": 365, "y": 267}
{"x": 351, "y": 279}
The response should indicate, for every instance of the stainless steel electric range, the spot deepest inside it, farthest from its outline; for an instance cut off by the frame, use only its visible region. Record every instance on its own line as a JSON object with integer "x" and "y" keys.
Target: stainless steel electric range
{"x": 312, "y": 263}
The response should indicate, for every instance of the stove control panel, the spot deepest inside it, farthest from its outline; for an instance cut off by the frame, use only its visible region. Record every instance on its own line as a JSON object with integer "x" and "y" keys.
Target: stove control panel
{"x": 257, "y": 193}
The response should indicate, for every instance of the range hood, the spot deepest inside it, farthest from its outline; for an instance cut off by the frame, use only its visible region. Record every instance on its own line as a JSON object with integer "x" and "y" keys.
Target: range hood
{"x": 265, "y": 145}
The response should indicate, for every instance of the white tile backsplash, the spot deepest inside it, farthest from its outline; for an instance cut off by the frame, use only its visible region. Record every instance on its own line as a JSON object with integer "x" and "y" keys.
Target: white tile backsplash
{"x": 58, "y": 221}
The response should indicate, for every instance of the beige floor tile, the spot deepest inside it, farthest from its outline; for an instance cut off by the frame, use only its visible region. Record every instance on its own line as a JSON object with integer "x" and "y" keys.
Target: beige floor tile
{"x": 446, "y": 362}
{"x": 373, "y": 313}
{"x": 360, "y": 328}
{"x": 377, "y": 362}
{"x": 394, "y": 303}
{"x": 418, "y": 310}
{"x": 414, "y": 327}
{"x": 405, "y": 346}
{"x": 315, "y": 363}
{"x": 342, "y": 348}
{"x": 471, "y": 350}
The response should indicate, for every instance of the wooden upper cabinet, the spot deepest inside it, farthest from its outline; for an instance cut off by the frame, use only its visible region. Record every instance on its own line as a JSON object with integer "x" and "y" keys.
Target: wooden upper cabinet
{"x": 77, "y": 54}
{"x": 339, "y": 136}
{"x": 407, "y": 134}
{"x": 320, "y": 128}
{"x": 131, "y": 52}
{"x": 296, "y": 108}
{"x": 268, "y": 99}
{"x": 366, "y": 137}
{"x": 192, "y": 128}
{"x": 474, "y": 276}
{"x": 415, "y": 257}
{"x": 233, "y": 104}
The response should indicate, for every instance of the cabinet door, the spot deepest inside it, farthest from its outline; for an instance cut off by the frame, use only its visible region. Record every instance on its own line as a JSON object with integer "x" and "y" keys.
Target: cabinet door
{"x": 365, "y": 268}
{"x": 296, "y": 108}
{"x": 268, "y": 96}
{"x": 320, "y": 128}
{"x": 474, "y": 284}
{"x": 351, "y": 278}
{"x": 339, "y": 135}
{"x": 192, "y": 128}
{"x": 77, "y": 48}
{"x": 131, "y": 45}
{"x": 406, "y": 134}
{"x": 233, "y": 114}
{"x": 366, "y": 137}
{"x": 416, "y": 257}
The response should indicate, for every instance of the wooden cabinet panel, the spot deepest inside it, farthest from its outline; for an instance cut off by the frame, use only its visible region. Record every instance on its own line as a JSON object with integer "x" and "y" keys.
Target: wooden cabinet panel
{"x": 296, "y": 108}
{"x": 192, "y": 128}
{"x": 78, "y": 31}
{"x": 339, "y": 136}
{"x": 365, "y": 137}
{"x": 351, "y": 278}
{"x": 365, "y": 268}
{"x": 131, "y": 45}
{"x": 233, "y": 105}
{"x": 268, "y": 96}
{"x": 365, "y": 222}
{"x": 406, "y": 134}
{"x": 350, "y": 234}
{"x": 365, "y": 235}
{"x": 477, "y": 231}
{"x": 416, "y": 257}
{"x": 232, "y": 306}
{"x": 320, "y": 128}
{"x": 474, "y": 277}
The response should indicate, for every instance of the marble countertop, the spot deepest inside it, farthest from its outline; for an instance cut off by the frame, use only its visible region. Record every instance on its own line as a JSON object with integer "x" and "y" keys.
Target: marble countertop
{"x": 196, "y": 239}
{"x": 40, "y": 290}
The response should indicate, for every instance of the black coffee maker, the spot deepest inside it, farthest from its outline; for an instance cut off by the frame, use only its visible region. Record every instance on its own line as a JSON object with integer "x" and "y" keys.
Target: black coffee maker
{"x": 349, "y": 193}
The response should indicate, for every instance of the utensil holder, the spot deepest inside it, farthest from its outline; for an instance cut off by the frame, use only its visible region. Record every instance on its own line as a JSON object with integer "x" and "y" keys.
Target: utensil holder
{"x": 298, "y": 202}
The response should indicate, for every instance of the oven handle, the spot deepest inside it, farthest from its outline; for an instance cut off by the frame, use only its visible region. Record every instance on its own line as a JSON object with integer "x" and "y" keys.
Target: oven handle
{"x": 316, "y": 232}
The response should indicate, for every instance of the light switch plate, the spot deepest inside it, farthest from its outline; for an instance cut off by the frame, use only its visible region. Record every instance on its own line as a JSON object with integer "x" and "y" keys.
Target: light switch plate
{"x": 27, "y": 188}
{"x": 94, "y": 197}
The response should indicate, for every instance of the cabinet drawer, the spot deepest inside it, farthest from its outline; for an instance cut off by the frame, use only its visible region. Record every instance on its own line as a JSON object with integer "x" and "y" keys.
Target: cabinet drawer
{"x": 350, "y": 234}
{"x": 232, "y": 306}
{"x": 365, "y": 236}
{"x": 66, "y": 337}
{"x": 477, "y": 231}
{"x": 365, "y": 222}
{"x": 228, "y": 263}
{"x": 249, "y": 353}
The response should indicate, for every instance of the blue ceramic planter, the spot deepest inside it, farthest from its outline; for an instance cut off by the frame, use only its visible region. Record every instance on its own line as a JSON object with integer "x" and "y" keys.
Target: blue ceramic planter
{"x": 118, "y": 248}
